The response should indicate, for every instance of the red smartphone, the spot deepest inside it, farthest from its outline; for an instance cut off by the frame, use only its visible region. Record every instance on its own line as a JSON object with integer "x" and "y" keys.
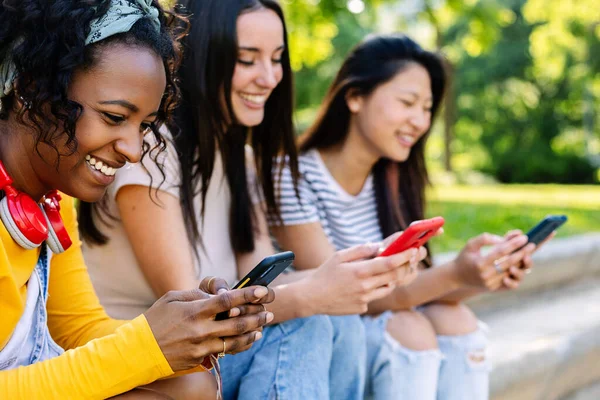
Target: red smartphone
{"x": 415, "y": 236}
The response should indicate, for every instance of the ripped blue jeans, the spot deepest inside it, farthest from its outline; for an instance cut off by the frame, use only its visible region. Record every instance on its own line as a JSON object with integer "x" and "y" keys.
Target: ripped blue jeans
{"x": 458, "y": 370}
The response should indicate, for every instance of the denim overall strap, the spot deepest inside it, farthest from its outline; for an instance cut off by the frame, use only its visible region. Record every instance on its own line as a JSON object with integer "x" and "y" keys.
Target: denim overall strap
{"x": 43, "y": 270}
{"x": 31, "y": 341}
{"x": 44, "y": 346}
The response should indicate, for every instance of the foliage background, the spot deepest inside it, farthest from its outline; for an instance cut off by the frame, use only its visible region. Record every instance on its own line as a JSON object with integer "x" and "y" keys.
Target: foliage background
{"x": 524, "y": 103}
{"x": 520, "y": 120}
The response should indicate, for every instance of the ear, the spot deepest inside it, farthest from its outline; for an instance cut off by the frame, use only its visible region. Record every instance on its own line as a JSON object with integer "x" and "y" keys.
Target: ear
{"x": 354, "y": 101}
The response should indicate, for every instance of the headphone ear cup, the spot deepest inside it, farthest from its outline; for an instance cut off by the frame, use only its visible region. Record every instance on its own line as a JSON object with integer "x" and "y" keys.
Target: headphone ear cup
{"x": 58, "y": 237}
{"x": 12, "y": 228}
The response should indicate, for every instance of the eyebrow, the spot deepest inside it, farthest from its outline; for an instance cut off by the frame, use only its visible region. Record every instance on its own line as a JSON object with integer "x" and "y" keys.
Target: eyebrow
{"x": 124, "y": 103}
{"x": 257, "y": 50}
{"x": 415, "y": 94}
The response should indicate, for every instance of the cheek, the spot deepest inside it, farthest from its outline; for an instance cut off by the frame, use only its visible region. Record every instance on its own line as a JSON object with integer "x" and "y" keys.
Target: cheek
{"x": 93, "y": 134}
{"x": 242, "y": 77}
{"x": 383, "y": 117}
{"x": 278, "y": 72}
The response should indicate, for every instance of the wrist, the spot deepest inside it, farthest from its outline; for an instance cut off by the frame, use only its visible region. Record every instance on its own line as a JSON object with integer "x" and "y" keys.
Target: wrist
{"x": 454, "y": 276}
{"x": 305, "y": 298}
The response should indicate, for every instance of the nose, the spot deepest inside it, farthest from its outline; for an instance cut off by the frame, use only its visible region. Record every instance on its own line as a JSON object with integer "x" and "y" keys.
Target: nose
{"x": 421, "y": 120}
{"x": 129, "y": 145}
{"x": 267, "y": 77}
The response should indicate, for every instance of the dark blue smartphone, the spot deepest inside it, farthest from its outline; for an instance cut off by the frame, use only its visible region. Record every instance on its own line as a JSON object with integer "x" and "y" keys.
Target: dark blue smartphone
{"x": 264, "y": 273}
{"x": 541, "y": 231}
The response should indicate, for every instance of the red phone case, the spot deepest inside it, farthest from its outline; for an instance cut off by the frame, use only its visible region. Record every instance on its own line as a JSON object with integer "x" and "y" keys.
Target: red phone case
{"x": 415, "y": 236}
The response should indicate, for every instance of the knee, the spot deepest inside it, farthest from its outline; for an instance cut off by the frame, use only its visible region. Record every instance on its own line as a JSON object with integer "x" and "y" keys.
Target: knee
{"x": 450, "y": 319}
{"x": 141, "y": 394}
{"x": 196, "y": 386}
{"x": 316, "y": 327}
{"x": 348, "y": 331}
{"x": 319, "y": 325}
{"x": 412, "y": 330}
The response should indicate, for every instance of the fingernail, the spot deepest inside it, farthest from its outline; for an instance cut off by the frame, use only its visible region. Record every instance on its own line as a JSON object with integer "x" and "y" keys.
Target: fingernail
{"x": 257, "y": 336}
{"x": 261, "y": 292}
{"x": 270, "y": 317}
{"x": 413, "y": 257}
{"x": 222, "y": 290}
{"x": 234, "y": 312}
{"x": 374, "y": 246}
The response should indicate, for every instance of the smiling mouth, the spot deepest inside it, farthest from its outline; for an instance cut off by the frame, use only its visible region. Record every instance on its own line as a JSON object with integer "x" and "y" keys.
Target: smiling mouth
{"x": 407, "y": 140}
{"x": 100, "y": 166}
{"x": 255, "y": 99}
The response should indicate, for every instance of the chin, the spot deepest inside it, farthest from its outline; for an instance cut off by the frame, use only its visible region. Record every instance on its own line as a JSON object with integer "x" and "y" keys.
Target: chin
{"x": 399, "y": 157}
{"x": 88, "y": 195}
{"x": 251, "y": 120}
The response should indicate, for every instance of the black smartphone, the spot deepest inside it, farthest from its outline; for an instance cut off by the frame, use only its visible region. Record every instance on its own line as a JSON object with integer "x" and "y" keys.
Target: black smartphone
{"x": 541, "y": 231}
{"x": 264, "y": 273}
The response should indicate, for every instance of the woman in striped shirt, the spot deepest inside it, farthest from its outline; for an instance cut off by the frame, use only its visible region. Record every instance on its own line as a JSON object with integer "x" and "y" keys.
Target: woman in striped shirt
{"x": 363, "y": 178}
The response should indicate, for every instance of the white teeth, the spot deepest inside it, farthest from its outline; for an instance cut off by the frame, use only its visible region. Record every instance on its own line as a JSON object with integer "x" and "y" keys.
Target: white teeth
{"x": 407, "y": 138}
{"x": 254, "y": 98}
{"x": 100, "y": 166}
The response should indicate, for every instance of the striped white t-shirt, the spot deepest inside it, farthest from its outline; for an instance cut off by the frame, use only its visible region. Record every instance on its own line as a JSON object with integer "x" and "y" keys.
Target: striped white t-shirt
{"x": 347, "y": 220}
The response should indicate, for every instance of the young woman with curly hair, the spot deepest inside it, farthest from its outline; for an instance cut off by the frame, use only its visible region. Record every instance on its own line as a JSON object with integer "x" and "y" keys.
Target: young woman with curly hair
{"x": 81, "y": 83}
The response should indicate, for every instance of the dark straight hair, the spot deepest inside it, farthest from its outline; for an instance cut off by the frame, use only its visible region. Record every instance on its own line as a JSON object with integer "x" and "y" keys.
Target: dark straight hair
{"x": 399, "y": 187}
{"x": 205, "y": 121}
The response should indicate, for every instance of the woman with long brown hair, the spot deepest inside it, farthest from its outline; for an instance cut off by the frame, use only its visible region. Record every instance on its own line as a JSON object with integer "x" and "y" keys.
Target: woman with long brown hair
{"x": 207, "y": 214}
{"x": 363, "y": 178}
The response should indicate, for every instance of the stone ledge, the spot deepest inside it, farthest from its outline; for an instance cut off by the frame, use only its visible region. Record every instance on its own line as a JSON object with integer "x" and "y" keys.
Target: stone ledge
{"x": 549, "y": 347}
{"x": 559, "y": 263}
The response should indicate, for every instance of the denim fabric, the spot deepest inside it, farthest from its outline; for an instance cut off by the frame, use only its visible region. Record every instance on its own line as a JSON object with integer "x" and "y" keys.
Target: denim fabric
{"x": 348, "y": 372}
{"x": 394, "y": 371}
{"x": 465, "y": 369}
{"x": 458, "y": 370}
{"x": 295, "y": 361}
{"x": 31, "y": 341}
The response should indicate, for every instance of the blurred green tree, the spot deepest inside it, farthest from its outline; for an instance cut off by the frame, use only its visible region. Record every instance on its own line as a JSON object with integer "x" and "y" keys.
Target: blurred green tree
{"x": 525, "y": 77}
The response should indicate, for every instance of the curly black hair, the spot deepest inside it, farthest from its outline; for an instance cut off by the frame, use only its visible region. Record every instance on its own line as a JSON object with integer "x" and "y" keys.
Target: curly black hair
{"x": 46, "y": 41}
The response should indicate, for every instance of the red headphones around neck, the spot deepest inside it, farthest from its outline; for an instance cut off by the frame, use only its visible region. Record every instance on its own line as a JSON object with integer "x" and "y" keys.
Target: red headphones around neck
{"x": 30, "y": 223}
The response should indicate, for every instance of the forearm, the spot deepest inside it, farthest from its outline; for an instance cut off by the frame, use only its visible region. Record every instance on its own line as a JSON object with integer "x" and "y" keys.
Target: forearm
{"x": 103, "y": 368}
{"x": 292, "y": 301}
{"x": 292, "y": 276}
{"x": 461, "y": 294}
{"x": 431, "y": 284}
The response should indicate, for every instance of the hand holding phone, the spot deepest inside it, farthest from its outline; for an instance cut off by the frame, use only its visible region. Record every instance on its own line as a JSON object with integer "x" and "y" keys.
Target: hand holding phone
{"x": 415, "y": 236}
{"x": 264, "y": 273}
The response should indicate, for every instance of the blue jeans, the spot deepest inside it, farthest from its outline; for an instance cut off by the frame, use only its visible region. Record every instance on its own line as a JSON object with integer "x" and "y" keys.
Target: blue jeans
{"x": 313, "y": 358}
{"x": 459, "y": 370}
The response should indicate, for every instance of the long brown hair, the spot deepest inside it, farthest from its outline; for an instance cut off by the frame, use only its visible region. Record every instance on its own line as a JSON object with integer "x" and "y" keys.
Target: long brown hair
{"x": 399, "y": 187}
{"x": 210, "y": 56}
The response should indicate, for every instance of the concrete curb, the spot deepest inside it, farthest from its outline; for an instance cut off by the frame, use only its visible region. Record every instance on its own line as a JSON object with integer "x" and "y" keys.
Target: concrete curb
{"x": 563, "y": 366}
{"x": 560, "y": 262}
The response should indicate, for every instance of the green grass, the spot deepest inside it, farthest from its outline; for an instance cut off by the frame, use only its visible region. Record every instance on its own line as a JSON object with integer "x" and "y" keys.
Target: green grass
{"x": 470, "y": 210}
